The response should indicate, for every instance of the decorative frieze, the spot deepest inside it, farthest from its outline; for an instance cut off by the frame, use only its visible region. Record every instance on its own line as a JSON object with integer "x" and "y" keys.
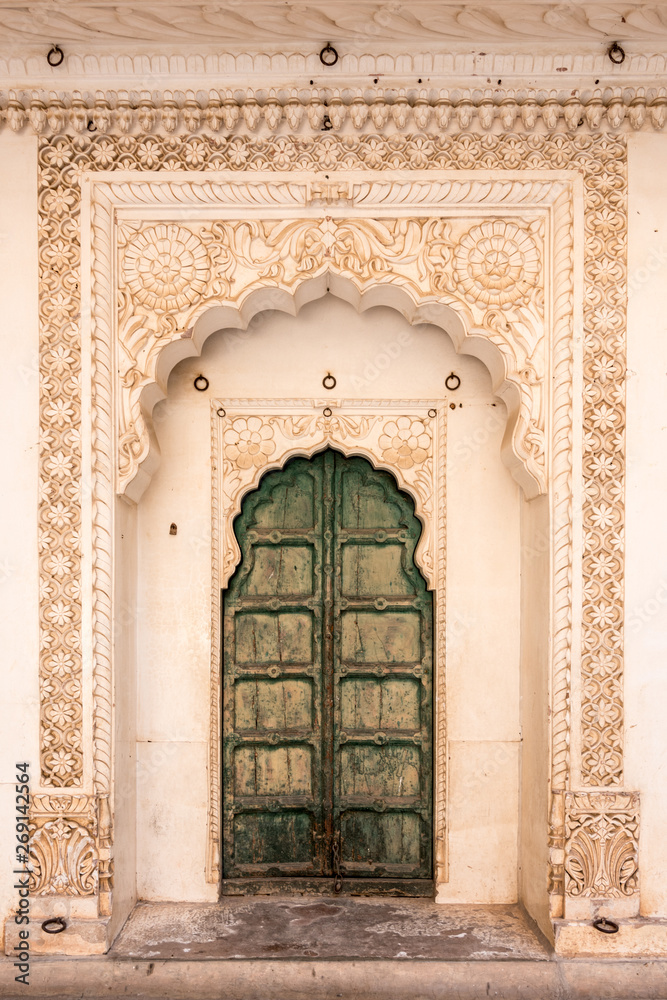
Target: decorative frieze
{"x": 312, "y": 20}
{"x": 403, "y": 110}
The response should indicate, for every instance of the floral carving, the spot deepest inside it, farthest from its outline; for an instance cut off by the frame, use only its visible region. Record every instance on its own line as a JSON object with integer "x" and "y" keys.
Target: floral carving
{"x": 405, "y": 442}
{"x": 601, "y": 851}
{"x": 63, "y": 856}
{"x": 249, "y": 442}
{"x": 497, "y": 263}
{"x": 166, "y": 268}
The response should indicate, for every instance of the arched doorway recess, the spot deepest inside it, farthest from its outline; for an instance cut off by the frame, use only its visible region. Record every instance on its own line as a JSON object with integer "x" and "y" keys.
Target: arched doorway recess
{"x": 481, "y": 635}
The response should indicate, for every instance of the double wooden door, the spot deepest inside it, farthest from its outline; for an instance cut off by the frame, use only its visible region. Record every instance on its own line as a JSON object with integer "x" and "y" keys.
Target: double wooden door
{"x": 327, "y": 681}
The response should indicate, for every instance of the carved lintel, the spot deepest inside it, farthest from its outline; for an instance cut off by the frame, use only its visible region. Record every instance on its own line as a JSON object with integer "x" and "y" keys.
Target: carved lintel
{"x": 601, "y": 853}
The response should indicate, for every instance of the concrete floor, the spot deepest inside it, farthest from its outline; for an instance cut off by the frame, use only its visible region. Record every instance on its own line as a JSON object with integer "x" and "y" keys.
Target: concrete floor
{"x": 339, "y": 928}
{"x": 333, "y": 949}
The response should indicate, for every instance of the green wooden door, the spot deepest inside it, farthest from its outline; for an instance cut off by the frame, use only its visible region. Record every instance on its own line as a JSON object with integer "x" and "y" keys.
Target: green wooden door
{"x": 327, "y": 681}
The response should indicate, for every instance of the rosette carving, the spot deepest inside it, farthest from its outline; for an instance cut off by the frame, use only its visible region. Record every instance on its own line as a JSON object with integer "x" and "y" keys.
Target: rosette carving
{"x": 497, "y": 263}
{"x": 166, "y": 268}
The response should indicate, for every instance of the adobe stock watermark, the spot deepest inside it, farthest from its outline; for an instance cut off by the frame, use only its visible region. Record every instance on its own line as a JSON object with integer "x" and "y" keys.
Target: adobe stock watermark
{"x": 383, "y": 360}
{"x": 653, "y": 263}
{"x": 643, "y": 614}
{"x": 22, "y": 872}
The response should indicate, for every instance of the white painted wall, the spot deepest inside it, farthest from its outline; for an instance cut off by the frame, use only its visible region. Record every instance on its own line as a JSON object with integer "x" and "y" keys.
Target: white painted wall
{"x": 373, "y": 355}
{"x": 646, "y": 498}
{"x": 19, "y": 388}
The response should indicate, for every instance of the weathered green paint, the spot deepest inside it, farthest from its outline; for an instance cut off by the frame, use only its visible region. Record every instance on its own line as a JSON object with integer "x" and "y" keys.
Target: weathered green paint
{"x": 327, "y": 680}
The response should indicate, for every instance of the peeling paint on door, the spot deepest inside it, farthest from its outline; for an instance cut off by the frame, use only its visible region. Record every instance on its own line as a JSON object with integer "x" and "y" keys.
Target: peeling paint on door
{"x": 327, "y": 684}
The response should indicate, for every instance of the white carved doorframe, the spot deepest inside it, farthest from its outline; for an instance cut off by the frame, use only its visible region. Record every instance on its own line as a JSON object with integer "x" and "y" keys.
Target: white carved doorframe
{"x": 80, "y": 207}
{"x": 478, "y": 255}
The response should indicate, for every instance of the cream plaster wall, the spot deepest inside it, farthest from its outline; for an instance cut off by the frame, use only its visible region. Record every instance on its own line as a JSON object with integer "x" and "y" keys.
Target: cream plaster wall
{"x": 174, "y": 723}
{"x": 646, "y": 560}
{"x": 375, "y": 354}
{"x": 19, "y": 387}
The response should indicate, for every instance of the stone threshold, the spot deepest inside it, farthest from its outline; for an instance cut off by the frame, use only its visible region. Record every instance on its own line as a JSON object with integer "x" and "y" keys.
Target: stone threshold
{"x": 285, "y": 979}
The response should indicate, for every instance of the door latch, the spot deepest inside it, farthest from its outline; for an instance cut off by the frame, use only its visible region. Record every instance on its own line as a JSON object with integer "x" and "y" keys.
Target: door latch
{"x": 338, "y": 878}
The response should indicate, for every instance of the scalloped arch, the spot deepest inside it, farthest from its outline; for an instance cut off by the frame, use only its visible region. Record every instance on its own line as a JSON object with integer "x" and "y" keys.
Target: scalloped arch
{"x": 509, "y": 383}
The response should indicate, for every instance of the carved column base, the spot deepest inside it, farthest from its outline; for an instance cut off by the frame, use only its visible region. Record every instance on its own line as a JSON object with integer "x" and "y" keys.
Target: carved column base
{"x": 601, "y": 865}
{"x": 70, "y": 875}
{"x": 634, "y": 939}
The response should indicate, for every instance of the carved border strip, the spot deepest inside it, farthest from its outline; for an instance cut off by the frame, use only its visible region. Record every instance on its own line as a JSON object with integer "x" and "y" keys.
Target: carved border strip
{"x": 601, "y": 160}
{"x": 293, "y": 110}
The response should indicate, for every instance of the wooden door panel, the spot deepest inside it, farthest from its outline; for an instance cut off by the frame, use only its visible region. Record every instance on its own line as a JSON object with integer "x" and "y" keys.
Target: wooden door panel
{"x": 382, "y": 662}
{"x": 392, "y": 836}
{"x": 327, "y": 680}
{"x": 275, "y": 706}
{"x": 284, "y": 570}
{"x": 380, "y": 637}
{"x": 380, "y": 704}
{"x": 372, "y": 569}
{"x": 272, "y": 683}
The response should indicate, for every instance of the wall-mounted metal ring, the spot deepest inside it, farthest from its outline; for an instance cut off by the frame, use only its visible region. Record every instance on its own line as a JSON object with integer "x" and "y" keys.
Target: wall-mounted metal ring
{"x": 605, "y": 925}
{"x": 54, "y": 925}
{"x": 329, "y": 381}
{"x": 55, "y": 57}
{"x": 616, "y": 53}
{"x": 452, "y": 382}
{"x": 201, "y": 383}
{"x": 221, "y": 411}
{"x": 327, "y": 411}
{"x": 432, "y": 413}
{"x": 327, "y": 124}
{"x": 328, "y": 55}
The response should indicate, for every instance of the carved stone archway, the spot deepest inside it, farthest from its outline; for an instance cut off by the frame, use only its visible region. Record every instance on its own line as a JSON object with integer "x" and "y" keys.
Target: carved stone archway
{"x": 496, "y": 256}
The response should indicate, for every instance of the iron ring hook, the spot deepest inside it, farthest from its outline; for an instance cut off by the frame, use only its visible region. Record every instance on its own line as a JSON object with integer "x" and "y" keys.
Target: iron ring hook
{"x": 616, "y": 53}
{"x": 456, "y": 380}
{"x": 328, "y": 55}
{"x": 327, "y": 411}
{"x": 55, "y": 57}
{"x": 329, "y": 381}
{"x": 605, "y": 925}
{"x": 201, "y": 383}
{"x": 54, "y": 925}
{"x": 221, "y": 411}
{"x": 432, "y": 413}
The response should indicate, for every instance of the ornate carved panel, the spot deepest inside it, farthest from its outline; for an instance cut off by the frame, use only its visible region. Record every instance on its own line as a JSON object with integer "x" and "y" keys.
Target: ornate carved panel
{"x": 601, "y": 851}
{"x": 488, "y": 270}
{"x": 63, "y": 845}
